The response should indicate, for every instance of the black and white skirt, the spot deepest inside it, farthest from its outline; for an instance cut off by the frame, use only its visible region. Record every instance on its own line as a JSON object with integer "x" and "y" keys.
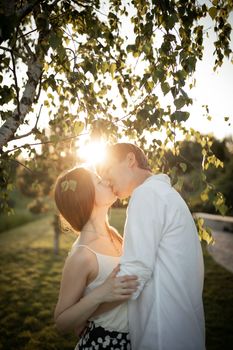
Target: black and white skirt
{"x": 97, "y": 338}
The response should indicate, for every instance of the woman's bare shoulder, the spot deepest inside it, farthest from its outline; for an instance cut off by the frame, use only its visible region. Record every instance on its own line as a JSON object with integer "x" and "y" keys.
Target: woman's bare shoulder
{"x": 81, "y": 258}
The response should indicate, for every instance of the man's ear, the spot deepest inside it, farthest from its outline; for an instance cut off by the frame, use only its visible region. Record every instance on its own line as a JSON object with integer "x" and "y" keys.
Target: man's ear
{"x": 131, "y": 159}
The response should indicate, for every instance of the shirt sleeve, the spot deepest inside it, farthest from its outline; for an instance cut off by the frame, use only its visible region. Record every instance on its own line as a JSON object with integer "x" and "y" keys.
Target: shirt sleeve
{"x": 143, "y": 231}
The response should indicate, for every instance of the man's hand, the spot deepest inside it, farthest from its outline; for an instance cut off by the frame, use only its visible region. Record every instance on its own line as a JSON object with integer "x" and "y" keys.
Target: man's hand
{"x": 117, "y": 288}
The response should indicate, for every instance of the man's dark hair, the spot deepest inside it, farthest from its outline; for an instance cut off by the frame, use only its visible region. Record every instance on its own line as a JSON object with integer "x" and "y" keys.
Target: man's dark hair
{"x": 120, "y": 151}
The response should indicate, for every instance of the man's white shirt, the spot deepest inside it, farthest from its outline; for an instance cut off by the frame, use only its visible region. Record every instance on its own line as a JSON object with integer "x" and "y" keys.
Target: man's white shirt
{"x": 161, "y": 246}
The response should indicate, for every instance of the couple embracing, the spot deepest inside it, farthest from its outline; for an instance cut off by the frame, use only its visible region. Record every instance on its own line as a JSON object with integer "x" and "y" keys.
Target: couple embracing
{"x": 142, "y": 292}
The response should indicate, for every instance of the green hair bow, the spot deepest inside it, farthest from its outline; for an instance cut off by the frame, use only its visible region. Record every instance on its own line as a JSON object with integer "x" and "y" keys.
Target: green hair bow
{"x": 68, "y": 185}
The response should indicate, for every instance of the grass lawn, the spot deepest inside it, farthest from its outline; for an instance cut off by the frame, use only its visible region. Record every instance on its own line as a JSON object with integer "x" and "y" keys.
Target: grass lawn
{"x": 21, "y": 215}
{"x": 30, "y": 276}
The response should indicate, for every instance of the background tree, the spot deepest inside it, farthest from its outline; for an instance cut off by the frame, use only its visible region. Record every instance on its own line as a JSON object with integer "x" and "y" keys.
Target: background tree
{"x": 81, "y": 55}
{"x": 38, "y": 183}
{"x": 193, "y": 188}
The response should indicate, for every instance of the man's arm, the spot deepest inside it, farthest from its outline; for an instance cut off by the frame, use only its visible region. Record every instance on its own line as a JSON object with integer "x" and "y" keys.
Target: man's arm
{"x": 143, "y": 231}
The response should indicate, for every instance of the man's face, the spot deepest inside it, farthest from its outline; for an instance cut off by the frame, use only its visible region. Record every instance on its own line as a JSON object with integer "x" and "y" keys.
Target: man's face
{"x": 119, "y": 175}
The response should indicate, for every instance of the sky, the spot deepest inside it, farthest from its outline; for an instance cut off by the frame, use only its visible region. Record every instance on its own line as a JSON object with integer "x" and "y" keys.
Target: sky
{"x": 214, "y": 89}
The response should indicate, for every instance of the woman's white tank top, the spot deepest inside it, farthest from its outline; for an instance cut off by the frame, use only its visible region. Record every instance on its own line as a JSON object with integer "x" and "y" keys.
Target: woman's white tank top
{"x": 117, "y": 318}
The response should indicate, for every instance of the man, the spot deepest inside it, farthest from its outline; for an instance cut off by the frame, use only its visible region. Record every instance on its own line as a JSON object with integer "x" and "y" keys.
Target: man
{"x": 162, "y": 248}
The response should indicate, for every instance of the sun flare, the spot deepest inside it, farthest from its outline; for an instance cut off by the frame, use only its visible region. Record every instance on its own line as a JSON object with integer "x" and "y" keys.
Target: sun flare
{"x": 92, "y": 152}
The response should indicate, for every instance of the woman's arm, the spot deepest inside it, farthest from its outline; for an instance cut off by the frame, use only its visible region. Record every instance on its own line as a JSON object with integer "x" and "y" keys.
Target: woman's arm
{"x": 102, "y": 308}
{"x": 73, "y": 309}
{"x": 75, "y": 274}
{"x": 78, "y": 331}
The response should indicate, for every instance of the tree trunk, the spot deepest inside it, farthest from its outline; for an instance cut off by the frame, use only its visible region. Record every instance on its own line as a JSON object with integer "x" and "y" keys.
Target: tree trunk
{"x": 56, "y": 224}
{"x": 11, "y": 125}
{"x": 35, "y": 67}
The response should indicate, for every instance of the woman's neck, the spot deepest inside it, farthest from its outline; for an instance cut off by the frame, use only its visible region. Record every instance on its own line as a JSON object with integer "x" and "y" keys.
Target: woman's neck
{"x": 99, "y": 229}
{"x": 97, "y": 225}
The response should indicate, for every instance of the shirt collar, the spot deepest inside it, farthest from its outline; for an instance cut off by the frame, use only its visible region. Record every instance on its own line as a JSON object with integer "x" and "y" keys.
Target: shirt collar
{"x": 159, "y": 177}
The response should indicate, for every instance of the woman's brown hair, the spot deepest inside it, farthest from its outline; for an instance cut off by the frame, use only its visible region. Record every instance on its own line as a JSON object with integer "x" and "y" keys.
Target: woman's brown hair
{"x": 75, "y": 203}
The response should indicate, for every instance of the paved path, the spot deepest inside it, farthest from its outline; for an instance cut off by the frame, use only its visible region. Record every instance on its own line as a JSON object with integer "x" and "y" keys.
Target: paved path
{"x": 222, "y": 250}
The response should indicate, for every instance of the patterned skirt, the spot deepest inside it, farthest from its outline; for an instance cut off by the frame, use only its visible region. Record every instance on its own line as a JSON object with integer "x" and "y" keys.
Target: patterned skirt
{"x": 97, "y": 338}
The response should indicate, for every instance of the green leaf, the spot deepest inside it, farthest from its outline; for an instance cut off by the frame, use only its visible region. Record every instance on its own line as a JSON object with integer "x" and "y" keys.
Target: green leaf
{"x": 180, "y": 116}
{"x": 136, "y": 54}
{"x": 147, "y": 48}
{"x": 165, "y": 88}
{"x": 158, "y": 142}
{"x": 130, "y": 48}
{"x": 149, "y": 85}
{"x": 143, "y": 114}
{"x": 190, "y": 64}
{"x": 183, "y": 167}
{"x": 113, "y": 69}
{"x": 206, "y": 236}
{"x": 155, "y": 118}
{"x": 158, "y": 73}
{"x": 144, "y": 79}
{"x": 180, "y": 102}
{"x": 171, "y": 20}
{"x": 179, "y": 184}
{"x": 204, "y": 232}
{"x": 104, "y": 67}
{"x": 223, "y": 209}
{"x": 184, "y": 93}
{"x": 213, "y": 12}
{"x": 61, "y": 52}
{"x": 10, "y": 187}
{"x": 54, "y": 41}
{"x": 78, "y": 127}
{"x": 54, "y": 138}
{"x": 51, "y": 82}
{"x": 204, "y": 196}
{"x": 6, "y": 94}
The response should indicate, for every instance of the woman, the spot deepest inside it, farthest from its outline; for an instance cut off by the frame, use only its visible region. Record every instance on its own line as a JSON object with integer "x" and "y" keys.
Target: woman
{"x": 90, "y": 290}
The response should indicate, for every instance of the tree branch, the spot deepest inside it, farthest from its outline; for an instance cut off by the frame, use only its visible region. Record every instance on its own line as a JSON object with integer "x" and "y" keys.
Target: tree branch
{"x": 18, "y": 162}
{"x": 89, "y": 6}
{"x": 5, "y": 48}
{"x": 16, "y": 81}
{"x": 46, "y": 142}
{"x": 32, "y": 130}
{"x": 11, "y": 51}
{"x": 30, "y": 52}
{"x": 74, "y": 56}
{"x": 31, "y": 31}
{"x": 136, "y": 107}
{"x": 54, "y": 3}
{"x": 27, "y": 9}
{"x": 39, "y": 90}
